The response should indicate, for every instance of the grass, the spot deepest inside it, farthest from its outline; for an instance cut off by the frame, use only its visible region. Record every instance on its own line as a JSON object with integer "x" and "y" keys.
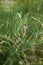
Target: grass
{"x": 21, "y": 33}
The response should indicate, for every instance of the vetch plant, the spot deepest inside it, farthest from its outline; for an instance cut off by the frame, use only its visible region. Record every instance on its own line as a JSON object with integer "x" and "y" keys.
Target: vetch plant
{"x": 21, "y": 33}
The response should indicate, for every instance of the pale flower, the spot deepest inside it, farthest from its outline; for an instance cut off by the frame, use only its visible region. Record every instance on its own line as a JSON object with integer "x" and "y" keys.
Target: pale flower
{"x": 25, "y": 28}
{"x": 41, "y": 25}
{"x": 21, "y": 62}
{"x": 18, "y": 39}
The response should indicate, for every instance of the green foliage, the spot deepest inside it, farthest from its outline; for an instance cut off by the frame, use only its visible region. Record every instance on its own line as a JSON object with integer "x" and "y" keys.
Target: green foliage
{"x": 21, "y": 33}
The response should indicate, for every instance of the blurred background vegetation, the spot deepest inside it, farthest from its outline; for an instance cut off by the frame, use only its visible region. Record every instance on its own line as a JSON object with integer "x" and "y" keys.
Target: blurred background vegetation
{"x": 21, "y": 32}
